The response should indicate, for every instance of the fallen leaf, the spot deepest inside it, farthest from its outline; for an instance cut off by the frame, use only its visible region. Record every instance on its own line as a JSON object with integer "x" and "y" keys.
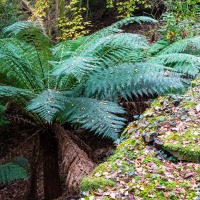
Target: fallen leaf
{"x": 189, "y": 174}
{"x": 198, "y": 108}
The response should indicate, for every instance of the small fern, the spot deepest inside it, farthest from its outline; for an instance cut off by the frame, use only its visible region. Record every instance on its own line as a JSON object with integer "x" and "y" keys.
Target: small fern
{"x": 14, "y": 170}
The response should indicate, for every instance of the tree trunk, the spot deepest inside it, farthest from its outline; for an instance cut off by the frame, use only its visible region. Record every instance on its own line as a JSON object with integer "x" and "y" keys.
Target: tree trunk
{"x": 32, "y": 193}
{"x": 76, "y": 162}
{"x": 49, "y": 146}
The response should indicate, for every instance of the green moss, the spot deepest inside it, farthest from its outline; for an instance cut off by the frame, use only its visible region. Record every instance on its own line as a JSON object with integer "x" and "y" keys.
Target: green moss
{"x": 106, "y": 198}
{"x": 152, "y": 159}
{"x": 189, "y": 104}
{"x": 195, "y": 82}
{"x": 101, "y": 168}
{"x": 188, "y": 152}
{"x": 150, "y": 190}
{"x": 189, "y": 135}
{"x": 183, "y": 144}
{"x": 89, "y": 183}
{"x": 157, "y": 102}
{"x": 128, "y": 142}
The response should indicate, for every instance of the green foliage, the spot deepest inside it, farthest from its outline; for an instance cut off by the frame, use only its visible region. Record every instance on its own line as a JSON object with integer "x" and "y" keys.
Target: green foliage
{"x": 180, "y": 20}
{"x": 57, "y": 84}
{"x": 174, "y": 29}
{"x": 8, "y": 13}
{"x": 72, "y": 24}
{"x": 18, "y": 169}
{"x": 183, "y": 9}
{"x": 127, "y": 8}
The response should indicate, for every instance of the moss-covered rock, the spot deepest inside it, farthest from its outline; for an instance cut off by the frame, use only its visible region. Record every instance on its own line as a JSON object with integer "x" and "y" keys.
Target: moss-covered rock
{"x": 93, "y": 183}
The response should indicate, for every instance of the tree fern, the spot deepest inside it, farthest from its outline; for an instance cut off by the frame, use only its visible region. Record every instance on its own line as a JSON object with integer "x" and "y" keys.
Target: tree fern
{"x": 76, "y": 81}
{"x": 104, "y": 65}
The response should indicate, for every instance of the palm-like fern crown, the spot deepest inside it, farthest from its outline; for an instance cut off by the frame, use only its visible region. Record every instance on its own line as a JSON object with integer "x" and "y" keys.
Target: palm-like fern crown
{"x": 74, "y": 80}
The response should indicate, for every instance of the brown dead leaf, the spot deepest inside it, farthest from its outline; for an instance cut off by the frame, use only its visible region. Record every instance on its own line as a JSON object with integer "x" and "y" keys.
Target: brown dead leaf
{"x": 161, "y": 187}
{"x": 189, "y": 174}
{"x": 197, "y": 108}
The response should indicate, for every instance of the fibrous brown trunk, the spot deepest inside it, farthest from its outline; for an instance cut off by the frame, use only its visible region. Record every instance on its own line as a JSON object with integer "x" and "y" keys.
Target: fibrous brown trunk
{"x": 76, "y": 162}
{"x": 32, "y": 193}
{"x": 49, "y": 146}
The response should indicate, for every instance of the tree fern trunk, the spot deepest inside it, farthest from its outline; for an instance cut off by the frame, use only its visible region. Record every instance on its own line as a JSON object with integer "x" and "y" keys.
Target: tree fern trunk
{"x": 32, "y": 193}
{"x": 49, "y": 146}
{"x": 76, "y": 163}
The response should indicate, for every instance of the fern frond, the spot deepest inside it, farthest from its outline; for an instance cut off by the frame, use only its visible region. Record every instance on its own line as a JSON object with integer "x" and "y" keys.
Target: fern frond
{"x": 113, "y": 29}
{"x": 128, "y": 80}
{"x": 123, "y": 40}
{"x": 158, "y": 46}
{"x": 109, "y": 51}
{"x": 181, "y": 62}
{"x": 20, "y": 26}
{"x": 20, "y": 63}
{"x": 98, "y": 116}
{"x": 13, "y": 92}
{"x": 75, "y": 66}
{"x": 14, "y": 171}
{"x": 182, "y": 45}
{"x": 65, "y": 49}
{"x": 32, "y": 33}
{"x": 48, "y": 103}
{"x": 130, "y": 20}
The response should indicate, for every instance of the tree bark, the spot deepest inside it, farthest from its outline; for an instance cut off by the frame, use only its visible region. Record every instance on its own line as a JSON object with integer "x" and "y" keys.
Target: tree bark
{"x": 76, "y": 162}
{"x": 49, "y": 146}
{"x": 32, "y": 193}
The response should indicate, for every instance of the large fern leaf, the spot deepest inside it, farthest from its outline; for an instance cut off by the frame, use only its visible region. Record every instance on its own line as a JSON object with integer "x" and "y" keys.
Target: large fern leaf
{"x": 98, "y": 116}
{"x": 107, "y": 51}
{"x": 181, "y": 62}
{"x": 21, "y": 65}
{"x": 48, "y": 103}
{"x": 130, "y": 80}
{"x": 8, "y": 91}
{"x": 137, "y": 19}
{"x": 182, "y": 45}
